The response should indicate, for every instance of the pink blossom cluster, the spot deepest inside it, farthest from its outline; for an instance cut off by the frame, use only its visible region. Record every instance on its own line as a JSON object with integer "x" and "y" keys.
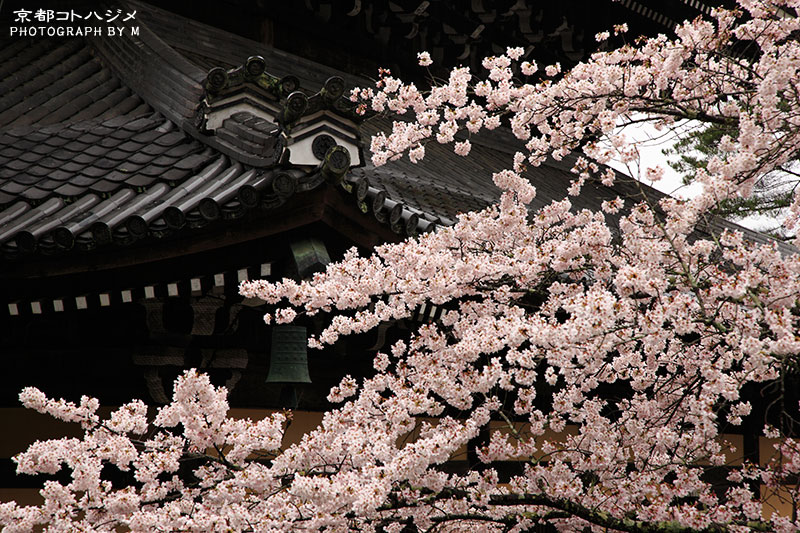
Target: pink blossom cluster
{"x": 674, "y": 325}
{"x": 604, "y": 353}
{"x": 692, "y": 76}
{"x": 157, "y": 498}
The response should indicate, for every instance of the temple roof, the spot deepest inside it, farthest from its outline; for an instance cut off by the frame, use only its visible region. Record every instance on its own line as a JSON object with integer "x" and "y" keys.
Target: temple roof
{"x": 105, "y": 141}
{"x": 109, "y": 143}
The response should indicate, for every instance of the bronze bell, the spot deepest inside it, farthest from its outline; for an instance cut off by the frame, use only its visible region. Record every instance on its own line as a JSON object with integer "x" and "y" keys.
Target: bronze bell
{"x": 289, "y": 358}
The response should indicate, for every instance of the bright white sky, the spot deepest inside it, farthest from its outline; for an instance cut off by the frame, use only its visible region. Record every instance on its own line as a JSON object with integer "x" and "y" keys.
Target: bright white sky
{"x": 652, "y": 144}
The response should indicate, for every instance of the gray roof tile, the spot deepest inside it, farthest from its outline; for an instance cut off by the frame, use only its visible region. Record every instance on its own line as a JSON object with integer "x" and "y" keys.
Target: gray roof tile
{"x": 29, "y": 157}
{"x": 13, "y": 187}
{"x": 42, "y": 149}
{"x": 170, "y": 139}
{"x": 10, "y": 151}
{"x": 118, "y": 155}
{"x": 117, "y": 176}
{"x": 17, "y": 165}
{"x": 68, "y": 189}
{"x": 105, "y": 163}
{"x": 50, "y": 162}
{"x": 93, "y": 172}
{"x": 146, "y": 137}
{"x": 72, "y": 166}
{"x": 82, "y": 180}
{"x": 35, "y": 194}
{"x": 60, "y": 175}
{"x": 104, "y": 186}
{"x": 35, "y": 170}
{"x": 129, "y": 146}
{"x": 49, "y": 184}
{"x": 110, "y": 140}
{"x": 151, "y": 149}
{"x": 96, "y": 150}
{"x": 140, "y": 180}
{"x": 83, "y": 159}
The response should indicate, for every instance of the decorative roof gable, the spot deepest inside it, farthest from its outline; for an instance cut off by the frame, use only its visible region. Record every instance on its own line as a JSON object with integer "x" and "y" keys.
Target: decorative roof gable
{"x": 250, "y": 110}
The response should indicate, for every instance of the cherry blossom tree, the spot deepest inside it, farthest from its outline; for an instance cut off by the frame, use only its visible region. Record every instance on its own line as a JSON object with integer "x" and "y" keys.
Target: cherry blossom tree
{"x": 772, "y": 193}
{"x": 607, "y": 368}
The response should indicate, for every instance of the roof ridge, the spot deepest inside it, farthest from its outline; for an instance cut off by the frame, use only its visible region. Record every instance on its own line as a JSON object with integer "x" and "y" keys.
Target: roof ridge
{"x": 155, "y": 71}
{"x": 246, "y": 47}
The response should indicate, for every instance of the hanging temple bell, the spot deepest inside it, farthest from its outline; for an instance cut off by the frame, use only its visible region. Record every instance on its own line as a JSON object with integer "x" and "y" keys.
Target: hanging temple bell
{"x": 289, "y": 357}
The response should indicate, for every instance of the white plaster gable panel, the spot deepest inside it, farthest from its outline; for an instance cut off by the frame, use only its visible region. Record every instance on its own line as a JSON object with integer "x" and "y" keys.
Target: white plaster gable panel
{"x": 323, "y": 117}
{"x": 301, "y": 152}
{"x": 303, "y": 135}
